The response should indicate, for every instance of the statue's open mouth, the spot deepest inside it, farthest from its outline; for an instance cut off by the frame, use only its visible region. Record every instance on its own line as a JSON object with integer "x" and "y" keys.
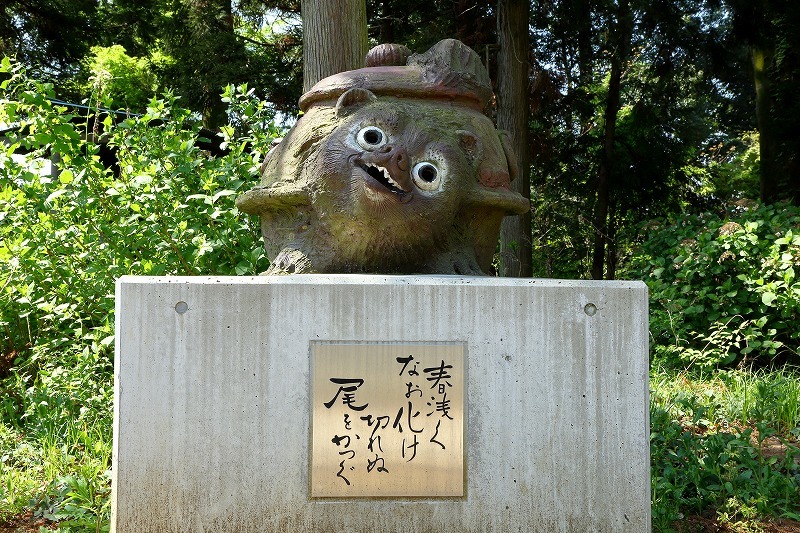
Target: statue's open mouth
{"x": 382, "y": 176}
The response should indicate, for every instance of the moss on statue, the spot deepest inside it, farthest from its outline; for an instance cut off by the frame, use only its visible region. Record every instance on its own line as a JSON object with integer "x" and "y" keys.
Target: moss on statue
{"x": 392, "y": 169}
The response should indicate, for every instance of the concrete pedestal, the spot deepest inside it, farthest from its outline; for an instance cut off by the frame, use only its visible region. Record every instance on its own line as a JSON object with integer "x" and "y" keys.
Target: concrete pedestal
{"x": 212, "y": 418}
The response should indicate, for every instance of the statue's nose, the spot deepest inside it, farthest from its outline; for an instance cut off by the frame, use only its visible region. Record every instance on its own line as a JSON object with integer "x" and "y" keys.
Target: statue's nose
{"x": 396, "y": 156}
{"x": 395, "y": 159}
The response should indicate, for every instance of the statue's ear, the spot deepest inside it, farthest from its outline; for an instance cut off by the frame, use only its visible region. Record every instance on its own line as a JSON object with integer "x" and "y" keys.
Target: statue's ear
{"x": 352, "y": 99}
{"x": 471, "y": 144}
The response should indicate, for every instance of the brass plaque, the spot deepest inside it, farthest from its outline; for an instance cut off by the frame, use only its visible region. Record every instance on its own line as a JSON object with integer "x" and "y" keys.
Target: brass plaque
{"x": 387, "y": 420}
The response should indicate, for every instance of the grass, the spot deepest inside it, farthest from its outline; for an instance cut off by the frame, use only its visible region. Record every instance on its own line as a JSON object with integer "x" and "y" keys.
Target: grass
{"x": 55, "y": 438}
{"x": 60, "y": 478}
{"x": 723, "y": 445}
{"x": 732, "y": 396}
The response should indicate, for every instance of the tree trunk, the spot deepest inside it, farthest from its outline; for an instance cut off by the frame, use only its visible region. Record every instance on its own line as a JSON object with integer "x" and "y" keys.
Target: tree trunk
{"x": 604, "y": 173}
{"x": 620, "y": 48}
{"x": 611, "y": 243}
{"x": 512, "y": 116}
{"x": 334, "y": 38}
{"x": 769, "y": 179}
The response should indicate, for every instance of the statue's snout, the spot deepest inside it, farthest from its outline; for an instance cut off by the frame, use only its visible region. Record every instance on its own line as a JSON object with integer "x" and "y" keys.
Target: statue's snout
{"x": 395, "y": 159}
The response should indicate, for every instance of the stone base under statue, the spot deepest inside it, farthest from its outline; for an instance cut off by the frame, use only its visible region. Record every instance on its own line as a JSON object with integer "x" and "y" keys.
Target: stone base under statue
{"x": 380, "y": 403}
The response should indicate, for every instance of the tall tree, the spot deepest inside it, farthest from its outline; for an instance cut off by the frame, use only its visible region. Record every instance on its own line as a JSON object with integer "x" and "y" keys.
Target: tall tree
{"x": 474, "y": 23}
{"x": 136, "y": 25}
{"x": 625, "y": 104}
{"x": 771, "y": 30}
{"x": 618, "y": 48}
{"x": 50, "y": 37}
{"x": 334, "y": 38}
{"x": 194, "y": 47}
{"x": 418, "y": 24}
{"x": 200, "y": 36}
{"x": 512, "y": 115}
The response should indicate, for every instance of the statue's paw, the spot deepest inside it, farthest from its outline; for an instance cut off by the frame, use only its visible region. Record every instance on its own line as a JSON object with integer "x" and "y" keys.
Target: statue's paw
{"x": 290, "y": 261}
{"x": 467, "y": 268}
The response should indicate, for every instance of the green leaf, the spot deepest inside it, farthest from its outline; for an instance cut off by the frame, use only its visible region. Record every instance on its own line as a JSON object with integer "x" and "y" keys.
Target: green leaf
{"x": 142, "y": 179}
{"x": 66, "y": 177}
{"x": 55, "y": 194}
{"x": 224, "y": 192}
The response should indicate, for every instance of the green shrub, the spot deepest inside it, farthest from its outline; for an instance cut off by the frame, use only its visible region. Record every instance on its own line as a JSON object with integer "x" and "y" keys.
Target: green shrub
{"x": 724, "y": 291}
{"x": 118, "y": 80}
{"x": 65, "y": 237}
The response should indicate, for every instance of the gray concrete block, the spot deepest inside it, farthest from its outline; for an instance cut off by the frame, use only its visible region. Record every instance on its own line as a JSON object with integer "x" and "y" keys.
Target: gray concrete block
{"x": 212, "y": 419}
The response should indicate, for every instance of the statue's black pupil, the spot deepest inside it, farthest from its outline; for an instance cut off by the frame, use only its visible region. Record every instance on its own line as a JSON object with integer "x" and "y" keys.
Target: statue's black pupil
{"x": 373, "y": 136}
{"x": 427, "y": 173}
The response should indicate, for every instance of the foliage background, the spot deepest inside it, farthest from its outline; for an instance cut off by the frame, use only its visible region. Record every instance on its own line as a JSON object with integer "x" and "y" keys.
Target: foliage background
{"x": 65, "y": 237}
{"x": 723, "y": 289}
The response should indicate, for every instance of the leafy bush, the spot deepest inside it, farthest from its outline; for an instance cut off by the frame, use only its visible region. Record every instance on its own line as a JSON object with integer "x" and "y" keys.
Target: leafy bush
{"x": 68, "y": 236}
{"x": 724, "y": 291}
{"x": 118, "y": 80}
{"x": 68, "y": 233}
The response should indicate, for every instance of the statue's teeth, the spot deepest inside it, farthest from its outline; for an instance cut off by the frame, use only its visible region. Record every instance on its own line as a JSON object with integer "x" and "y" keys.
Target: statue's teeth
{"x": 389, "y": 177}
{"x": 382, "y": 175}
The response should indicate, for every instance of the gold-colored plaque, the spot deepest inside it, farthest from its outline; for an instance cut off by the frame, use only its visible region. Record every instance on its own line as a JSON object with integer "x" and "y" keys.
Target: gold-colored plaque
{"x": 387, "y": 420}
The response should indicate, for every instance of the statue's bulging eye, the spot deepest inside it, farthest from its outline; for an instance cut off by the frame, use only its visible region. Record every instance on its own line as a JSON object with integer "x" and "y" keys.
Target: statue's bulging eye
{"x": 426, "y": 176}
{"x": 371, "y": 137}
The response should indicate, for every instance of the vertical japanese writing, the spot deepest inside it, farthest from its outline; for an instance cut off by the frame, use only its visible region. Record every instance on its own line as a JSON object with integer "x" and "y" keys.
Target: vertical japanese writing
{"x": 385, "y": 409}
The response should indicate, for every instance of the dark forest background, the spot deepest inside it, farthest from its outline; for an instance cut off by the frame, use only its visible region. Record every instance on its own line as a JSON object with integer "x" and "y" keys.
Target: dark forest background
{"x": 637, "y": 109}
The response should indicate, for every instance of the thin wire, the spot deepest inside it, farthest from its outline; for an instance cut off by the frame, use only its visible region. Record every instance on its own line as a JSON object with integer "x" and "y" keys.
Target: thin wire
{"x": 79, "y": 106}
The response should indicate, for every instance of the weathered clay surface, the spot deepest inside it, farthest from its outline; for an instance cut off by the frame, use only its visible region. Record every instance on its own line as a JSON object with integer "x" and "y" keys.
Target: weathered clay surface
{"x": 390, "y": 169}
